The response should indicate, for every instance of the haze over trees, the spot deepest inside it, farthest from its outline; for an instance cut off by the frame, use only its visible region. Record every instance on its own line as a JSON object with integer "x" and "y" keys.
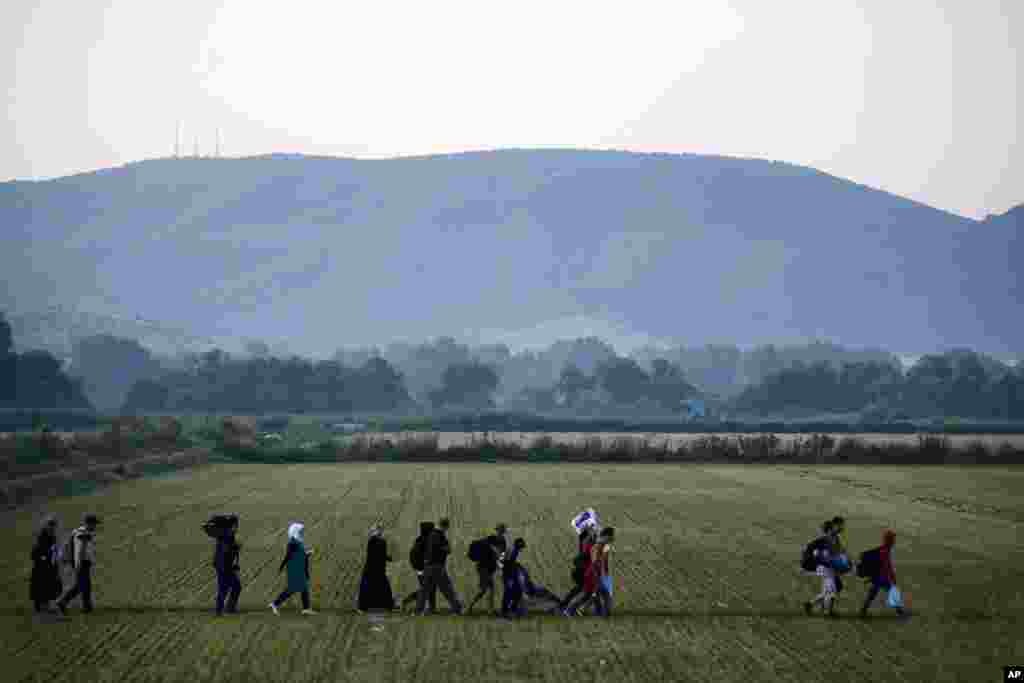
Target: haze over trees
{"x": 581, "y": 377}
{"x": 34, "y": 379}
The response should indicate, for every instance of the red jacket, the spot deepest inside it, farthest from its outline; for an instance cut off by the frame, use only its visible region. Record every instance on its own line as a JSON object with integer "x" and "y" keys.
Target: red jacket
{"x": 887, "y": 573}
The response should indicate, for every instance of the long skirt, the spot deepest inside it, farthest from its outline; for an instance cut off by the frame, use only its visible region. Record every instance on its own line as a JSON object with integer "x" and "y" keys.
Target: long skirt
{"x": 45, "y": 584}
{"x": 375, "y": 592}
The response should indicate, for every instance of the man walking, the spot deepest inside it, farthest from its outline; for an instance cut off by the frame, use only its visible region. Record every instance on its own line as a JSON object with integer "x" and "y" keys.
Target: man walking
{"x": 83, "y": 545}
{"x": 487, "y": 553}
{"x": 435, "y": 573}
{"x": 417, "y": 559}
{"x": 225, "y": 561}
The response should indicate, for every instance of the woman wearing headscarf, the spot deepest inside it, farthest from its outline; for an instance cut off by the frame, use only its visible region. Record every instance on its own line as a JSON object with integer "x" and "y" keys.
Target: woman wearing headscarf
{"x": 597, "y": 580}
{"x": 374, "y": 588}
{"x": 296, "y": 559}
{"x": 45, "y": 585}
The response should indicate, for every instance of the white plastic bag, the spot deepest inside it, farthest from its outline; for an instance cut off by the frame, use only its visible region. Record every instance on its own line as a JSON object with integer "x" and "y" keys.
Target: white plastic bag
{"x": 895, "y": 597}
{"x": 585, "y": 519}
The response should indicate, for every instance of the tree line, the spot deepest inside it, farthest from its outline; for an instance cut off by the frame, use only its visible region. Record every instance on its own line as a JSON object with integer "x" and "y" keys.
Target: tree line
{"x": 582, "y": 377}
{"x": 35, "y": 379}
{"x": 959, "y": 383}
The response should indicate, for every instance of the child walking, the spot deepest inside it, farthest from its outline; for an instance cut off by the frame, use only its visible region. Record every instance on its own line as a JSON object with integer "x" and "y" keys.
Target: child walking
{"x": 883, "y": 576}
{"x": 822, "y": 550}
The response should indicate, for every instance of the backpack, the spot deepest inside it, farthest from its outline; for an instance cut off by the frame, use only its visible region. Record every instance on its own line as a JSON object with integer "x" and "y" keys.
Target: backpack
{"x": 417, "y": 556}
{"x": 477, "y": 550}
{"x": 870, "y": 564}
{"x": 807, "y": 560}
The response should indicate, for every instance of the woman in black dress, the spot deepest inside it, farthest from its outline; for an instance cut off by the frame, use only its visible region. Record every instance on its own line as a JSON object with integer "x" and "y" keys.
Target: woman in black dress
{"x": 374, "y": 588}
{"x": 45, "y": 585}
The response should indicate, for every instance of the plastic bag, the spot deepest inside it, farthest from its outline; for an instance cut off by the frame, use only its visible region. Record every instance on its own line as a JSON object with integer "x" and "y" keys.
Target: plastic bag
{"x": 841, "y": 563}
{"x": 606, "y": 584}
{"x": 895, "y": 598}
{"x": 587, "y": 518}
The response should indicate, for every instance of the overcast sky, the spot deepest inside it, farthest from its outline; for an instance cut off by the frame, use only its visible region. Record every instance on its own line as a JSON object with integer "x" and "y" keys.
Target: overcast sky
{"x": 919, "y": 98}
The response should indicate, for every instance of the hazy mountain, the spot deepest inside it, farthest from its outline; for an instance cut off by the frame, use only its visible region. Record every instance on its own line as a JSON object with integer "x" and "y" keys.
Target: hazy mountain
{"x": 328, "y": 252}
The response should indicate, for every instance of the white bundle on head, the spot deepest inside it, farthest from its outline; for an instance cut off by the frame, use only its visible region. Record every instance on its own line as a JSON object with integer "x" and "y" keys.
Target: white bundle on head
{"x": 587, "y": 519}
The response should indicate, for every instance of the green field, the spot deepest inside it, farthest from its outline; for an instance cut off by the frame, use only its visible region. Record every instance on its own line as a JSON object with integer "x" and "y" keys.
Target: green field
{"x": 707, "y": 584}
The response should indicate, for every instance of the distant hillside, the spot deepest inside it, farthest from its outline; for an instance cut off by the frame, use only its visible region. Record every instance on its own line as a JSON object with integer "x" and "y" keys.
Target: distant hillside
{"x": 328, "y": 252}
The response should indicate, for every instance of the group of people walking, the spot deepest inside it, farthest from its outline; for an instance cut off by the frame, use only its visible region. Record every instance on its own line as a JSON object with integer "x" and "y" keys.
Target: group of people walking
{"x": 49, "y": 560}
{"x": 592, "y": 587}
{"x": 826, "y": 557}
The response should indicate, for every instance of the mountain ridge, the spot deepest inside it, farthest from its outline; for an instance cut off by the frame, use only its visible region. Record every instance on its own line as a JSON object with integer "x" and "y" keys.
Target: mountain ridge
{"x": 337, "y": 251}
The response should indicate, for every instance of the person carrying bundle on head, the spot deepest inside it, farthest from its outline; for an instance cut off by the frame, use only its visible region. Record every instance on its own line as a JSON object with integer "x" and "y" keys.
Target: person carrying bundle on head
{"x": 223, "y": 528}
{"x": 587, "y": 539}
{"x": 597, "y": 580}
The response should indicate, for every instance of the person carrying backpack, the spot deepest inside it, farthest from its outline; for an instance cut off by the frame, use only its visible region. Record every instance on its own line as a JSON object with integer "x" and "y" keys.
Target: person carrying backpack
{"x": 876, "y": 565}
{"x": 487, "y": 553}
{"x": 817, "y": 557}
{"x": 416, "y": 559}
{"x": 223, "y": 528}
{"x": 296, "y": 559}
{"x": 45, "y": 584}
{"x": 435, "y": 572}
{"x": 80, "y": 553}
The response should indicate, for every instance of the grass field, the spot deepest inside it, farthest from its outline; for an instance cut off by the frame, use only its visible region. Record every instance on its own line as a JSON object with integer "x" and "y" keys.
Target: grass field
{"x": 707, "y": 585}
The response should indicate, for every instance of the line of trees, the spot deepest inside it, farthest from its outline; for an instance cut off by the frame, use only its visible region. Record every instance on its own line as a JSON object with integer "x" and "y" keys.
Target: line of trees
{"x": 955, "y": 384}
{"x": 583, "y": 377}
{"x": 35, "y": 379}
{"x": 216, "y": 382}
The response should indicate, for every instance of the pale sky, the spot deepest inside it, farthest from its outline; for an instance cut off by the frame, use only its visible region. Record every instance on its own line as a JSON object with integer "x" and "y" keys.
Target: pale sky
{"x": 919, "y": 98}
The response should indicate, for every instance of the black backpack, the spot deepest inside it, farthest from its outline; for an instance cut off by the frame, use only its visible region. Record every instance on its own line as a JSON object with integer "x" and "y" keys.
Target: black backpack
{"x": 478, "y": 550}
{"x": 870, "y": 564}
{"x": 808, "y": 562}
{"x": 417, "y": 556}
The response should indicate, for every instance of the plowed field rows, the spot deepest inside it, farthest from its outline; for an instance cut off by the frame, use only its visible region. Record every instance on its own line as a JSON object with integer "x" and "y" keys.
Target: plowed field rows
{"x": 707, "y": 586}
